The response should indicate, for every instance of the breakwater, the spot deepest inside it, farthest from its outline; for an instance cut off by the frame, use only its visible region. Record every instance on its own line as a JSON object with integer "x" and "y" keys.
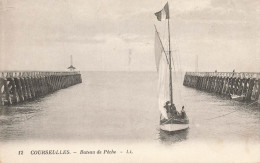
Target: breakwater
{"x": 20, "y": 86}
{"x": 242, "y": 84}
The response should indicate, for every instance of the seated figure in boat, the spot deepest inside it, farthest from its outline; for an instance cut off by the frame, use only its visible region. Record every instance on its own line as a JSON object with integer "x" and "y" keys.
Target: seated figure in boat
{"x": 174, "y": 110}
{"x": 173, "y": 107}
{"x": 170, "y": 109}
{"x": 183, "y": 113}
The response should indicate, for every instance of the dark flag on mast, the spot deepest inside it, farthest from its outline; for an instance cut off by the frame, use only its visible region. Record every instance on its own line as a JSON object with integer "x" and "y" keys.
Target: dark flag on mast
{"x": 164, "y": 13}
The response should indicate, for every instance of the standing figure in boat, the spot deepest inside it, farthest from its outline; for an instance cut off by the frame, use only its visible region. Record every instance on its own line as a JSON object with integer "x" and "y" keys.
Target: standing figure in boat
{"x": 169, "y": 109}
{"x": 183, "y": 113}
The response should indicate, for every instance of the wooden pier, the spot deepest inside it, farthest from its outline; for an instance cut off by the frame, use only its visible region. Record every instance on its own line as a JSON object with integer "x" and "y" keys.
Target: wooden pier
{"x": 226, "y": 83}
{"x": 20, "y": 86}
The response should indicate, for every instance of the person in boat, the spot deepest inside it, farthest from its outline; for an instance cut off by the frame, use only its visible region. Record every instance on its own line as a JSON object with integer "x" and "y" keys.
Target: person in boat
{"x": 169, "y": 110}
{"x": 174, "y": 110}
{"x": 173, "y": 107}
{"x": 183, "y": 113}
{"x": 167, "y": 106}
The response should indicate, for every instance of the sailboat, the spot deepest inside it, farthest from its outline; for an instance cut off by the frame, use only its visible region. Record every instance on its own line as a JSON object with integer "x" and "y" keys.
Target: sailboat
{"x": 170, "y": 119}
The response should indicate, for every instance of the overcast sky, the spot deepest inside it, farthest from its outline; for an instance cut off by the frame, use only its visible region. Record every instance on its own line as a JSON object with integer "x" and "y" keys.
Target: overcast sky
{"x": 101, "y": 34}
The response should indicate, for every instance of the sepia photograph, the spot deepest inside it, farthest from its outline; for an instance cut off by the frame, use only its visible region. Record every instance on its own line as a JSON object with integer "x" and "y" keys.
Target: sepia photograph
{"x": 129, "y": 81}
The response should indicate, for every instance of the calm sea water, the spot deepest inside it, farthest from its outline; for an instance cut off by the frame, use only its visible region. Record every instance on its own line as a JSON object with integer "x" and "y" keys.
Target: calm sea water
{"x": 119, "y": 106}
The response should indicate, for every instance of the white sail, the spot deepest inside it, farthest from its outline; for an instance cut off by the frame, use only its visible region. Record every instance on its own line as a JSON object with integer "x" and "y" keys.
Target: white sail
{"x": 163, "y": 85}
{"x": 163, "y": 70}
{"x": 158, "y": 49}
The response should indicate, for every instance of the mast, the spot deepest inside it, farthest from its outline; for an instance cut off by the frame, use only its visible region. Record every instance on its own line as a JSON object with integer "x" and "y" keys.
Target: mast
{"x": 71, "y": 68}
{"x": 129, "y": 59}
{"x": 70, "y": 59}
{"x": 170, "y": 60}
{"x": 197, "y": 64}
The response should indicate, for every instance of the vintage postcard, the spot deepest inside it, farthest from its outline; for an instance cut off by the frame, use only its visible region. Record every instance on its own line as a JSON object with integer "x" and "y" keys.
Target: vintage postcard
{"x": 129, "y": 81}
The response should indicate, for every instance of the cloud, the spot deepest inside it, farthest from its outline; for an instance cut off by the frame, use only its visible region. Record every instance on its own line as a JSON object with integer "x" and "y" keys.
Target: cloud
{"x": 101, "y": 31}
{"x": 225, "y": 10}
{"x": 242, "y": 5}
{"x": 74, "y": 39}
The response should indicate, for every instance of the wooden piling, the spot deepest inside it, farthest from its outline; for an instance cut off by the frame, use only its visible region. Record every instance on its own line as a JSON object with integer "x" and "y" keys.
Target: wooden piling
{"x": 225, "y": 83}
{"x": 19, "y": 86}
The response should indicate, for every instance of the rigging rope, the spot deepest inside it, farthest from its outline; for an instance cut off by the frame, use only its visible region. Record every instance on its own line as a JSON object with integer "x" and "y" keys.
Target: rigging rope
{"x": 167, "y": 121}
{"x": 221, "y": 115}
{"x": 229, "y": 112}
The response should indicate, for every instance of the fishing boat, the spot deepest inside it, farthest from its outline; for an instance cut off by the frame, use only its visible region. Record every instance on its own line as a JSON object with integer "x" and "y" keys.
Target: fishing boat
{"x": 170, "y": 119}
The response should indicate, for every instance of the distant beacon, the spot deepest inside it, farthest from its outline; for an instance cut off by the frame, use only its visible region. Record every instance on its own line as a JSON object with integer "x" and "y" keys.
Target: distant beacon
{"x": 71, "y": 68}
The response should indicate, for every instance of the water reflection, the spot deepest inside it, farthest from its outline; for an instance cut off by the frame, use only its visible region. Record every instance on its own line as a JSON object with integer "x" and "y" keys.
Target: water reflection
{"x": 17, "y": 113}
{"x": 173, "y": 137}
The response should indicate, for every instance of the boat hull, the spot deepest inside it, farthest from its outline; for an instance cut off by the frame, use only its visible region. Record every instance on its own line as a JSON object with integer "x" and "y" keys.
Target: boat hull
{"x": 176, "y": 123}
{"x": 237, "y": 97}
{"x": 173, "y": 127}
